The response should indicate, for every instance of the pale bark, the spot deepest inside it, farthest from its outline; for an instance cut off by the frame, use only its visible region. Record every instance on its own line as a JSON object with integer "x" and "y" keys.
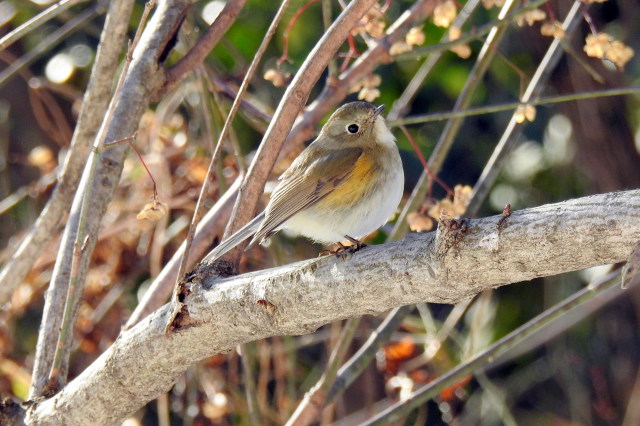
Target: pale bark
{"x": 143, "y": 79}
{"x": 443, "y": 267}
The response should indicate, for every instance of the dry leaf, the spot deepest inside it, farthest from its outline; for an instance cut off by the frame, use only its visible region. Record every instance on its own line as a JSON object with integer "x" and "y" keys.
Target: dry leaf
{"x": 152, "y": 211}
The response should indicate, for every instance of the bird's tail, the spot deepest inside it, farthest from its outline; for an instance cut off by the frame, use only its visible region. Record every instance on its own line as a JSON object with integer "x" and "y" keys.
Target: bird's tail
{"x": 242, "y": 234}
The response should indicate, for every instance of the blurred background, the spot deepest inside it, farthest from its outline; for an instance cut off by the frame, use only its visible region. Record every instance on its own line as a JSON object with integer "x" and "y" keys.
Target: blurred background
{"x": 582, "y": 370}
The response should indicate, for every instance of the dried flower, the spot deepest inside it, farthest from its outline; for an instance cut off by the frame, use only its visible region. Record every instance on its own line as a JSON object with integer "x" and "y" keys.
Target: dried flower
{"x": 461, "y": 199}
{"x": 439, "y": 208}
{"x": 375, "y": 28}
{"x": 42, "y": 157}
{"x": 526, "y": 112}
{"x": 462, "y": 50}
{"x": 444, "y": 13}
{"x": 603, "y": 46}
{"x": 399, "y": 47}
{"x": 415, "y": 36}
{"x": 276, "y": 77}
{"x": 152, "y": 211}
{"x": 418, "y": 222}
{"x": 530, "y": 17}
{"x": 368, "y": 94}
{"x": 552, "y": 29}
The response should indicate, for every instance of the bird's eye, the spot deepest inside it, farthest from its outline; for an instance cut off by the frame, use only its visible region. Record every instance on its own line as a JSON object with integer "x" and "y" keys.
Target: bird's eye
{"x": 353, "y": 128}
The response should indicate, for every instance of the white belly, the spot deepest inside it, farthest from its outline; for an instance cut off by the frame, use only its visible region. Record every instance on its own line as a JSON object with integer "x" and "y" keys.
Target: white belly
{"x": 358, "y": 220}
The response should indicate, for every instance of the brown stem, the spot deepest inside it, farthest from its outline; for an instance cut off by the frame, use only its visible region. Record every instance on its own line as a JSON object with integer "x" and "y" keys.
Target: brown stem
{"x": 199, "y": 52}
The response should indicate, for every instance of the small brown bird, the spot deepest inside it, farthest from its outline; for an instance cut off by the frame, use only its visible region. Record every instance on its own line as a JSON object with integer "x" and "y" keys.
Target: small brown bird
{"x": 343, "y": 186}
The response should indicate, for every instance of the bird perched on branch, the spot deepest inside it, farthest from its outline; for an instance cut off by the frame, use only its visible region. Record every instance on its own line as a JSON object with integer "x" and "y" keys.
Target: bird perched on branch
{"x": 343, "y": 186}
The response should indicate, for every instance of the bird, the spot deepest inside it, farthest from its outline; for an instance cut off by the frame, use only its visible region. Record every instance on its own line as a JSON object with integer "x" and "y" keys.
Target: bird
{"x": 346, "y": 184}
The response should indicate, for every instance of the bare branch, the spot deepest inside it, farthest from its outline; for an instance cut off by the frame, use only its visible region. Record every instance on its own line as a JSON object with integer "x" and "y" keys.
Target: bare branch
{"x": 142, "y": 81}
{"x": 202, "y": 48}
{"x": 37, "y": 21}
{"x": 447, "y": 266}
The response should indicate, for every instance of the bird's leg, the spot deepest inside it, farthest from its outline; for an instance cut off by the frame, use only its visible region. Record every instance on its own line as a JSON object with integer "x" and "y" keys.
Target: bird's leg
{"x": 341, "y": 249}
{"x": 357, "y": 244}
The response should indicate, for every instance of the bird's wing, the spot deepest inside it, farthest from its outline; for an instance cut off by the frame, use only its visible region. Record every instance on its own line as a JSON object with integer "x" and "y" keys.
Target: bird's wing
{"x": 306, "y": 183}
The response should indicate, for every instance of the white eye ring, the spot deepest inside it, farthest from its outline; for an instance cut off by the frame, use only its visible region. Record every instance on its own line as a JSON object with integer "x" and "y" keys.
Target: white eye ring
{"x": 353, "y": 128}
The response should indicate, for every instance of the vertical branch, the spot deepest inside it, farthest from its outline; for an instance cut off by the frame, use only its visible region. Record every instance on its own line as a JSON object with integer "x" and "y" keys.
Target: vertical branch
{"x": 46, "y": 227}
{"x": 314, "y": 401}
{"x": 60, "y": 365}
{"x": 142, "y": 81}
{"x": 512, "y": 132}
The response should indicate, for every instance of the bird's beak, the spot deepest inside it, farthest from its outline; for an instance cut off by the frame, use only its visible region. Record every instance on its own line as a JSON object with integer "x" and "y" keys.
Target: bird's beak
{"x": 378, "y": 110}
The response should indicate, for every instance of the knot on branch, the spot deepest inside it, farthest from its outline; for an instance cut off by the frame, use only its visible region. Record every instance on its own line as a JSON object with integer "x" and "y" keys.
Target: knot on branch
{"x": 450, "y": 233}
{"x": 179, "y": 318}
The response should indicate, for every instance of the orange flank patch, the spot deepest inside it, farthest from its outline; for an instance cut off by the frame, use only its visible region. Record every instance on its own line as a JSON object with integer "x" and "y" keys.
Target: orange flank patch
{"x": 356, "y": 185}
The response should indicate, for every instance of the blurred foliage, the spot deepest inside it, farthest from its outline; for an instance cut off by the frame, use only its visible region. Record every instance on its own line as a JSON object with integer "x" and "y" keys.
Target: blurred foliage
{"x": 584, "y": 375}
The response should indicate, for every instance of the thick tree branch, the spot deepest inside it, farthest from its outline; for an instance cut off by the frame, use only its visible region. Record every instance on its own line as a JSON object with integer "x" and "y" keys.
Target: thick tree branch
{"x": 447, "y": 266}
{"x": 203, "y": 47}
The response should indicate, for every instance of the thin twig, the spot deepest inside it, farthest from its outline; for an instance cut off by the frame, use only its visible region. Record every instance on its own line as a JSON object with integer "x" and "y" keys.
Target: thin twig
{"x": 513, "y": 130}
{"x": 512, "y": 106}
{"x": 38, "y": 20}
{"x": 423, "y": 160}
{"x": 287, "y": 30}
{"x": 249, "y": 384}
{"x": 197, "y": 53}
{"x": 401, "y": 105}
{"x": 57, "y": 375}
{"x": 76, "y": 23}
